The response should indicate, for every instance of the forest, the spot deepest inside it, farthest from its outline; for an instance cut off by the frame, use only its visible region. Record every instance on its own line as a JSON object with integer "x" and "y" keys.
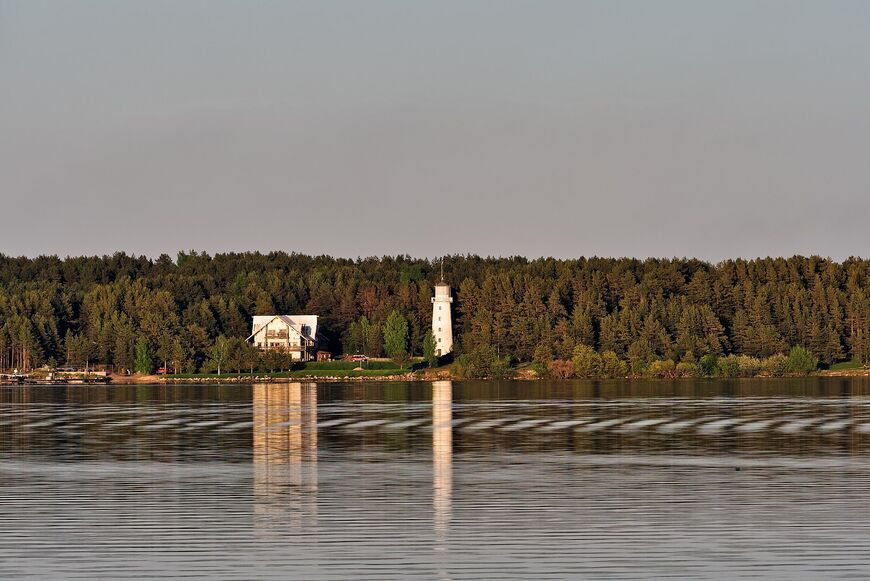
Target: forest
{"x": 109, "y": 309}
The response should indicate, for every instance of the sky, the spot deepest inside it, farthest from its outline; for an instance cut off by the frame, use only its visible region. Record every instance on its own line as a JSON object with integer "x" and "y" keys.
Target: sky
{"x": 538, "y": 128}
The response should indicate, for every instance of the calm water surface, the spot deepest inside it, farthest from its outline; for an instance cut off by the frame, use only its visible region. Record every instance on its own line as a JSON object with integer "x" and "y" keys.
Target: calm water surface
{"x": 450, "y": 480}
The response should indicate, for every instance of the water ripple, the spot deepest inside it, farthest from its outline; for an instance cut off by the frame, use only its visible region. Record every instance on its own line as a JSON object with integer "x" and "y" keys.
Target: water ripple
{"x": 440, "y": 481}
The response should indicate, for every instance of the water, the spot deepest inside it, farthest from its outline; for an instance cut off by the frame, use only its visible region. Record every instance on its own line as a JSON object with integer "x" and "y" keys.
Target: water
{"x": 598, "y": 480}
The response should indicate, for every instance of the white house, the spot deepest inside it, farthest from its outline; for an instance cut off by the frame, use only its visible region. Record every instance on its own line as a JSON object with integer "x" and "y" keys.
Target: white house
{"x": 296, "y": 334}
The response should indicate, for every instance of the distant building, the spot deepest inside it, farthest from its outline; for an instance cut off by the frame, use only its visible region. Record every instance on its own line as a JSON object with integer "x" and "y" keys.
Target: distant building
{"x": 442, "y": 322}
{"x": 295, "y": 334}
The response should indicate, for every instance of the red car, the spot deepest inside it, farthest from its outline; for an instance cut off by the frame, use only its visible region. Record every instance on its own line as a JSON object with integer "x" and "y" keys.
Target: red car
{"x": 359, "y": 357}
{"x": 162, "y": 370}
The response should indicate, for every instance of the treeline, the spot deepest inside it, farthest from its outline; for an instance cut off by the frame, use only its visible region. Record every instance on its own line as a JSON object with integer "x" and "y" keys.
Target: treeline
{"x": 102, "y": 309}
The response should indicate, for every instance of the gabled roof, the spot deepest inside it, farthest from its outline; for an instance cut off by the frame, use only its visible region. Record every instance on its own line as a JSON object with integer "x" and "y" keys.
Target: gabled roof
{"x": 295, "y": 322}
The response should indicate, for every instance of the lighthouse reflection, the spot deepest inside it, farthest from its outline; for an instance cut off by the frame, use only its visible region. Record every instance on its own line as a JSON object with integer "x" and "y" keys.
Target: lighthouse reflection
{"x": 442, "y": 456}
{"x": 285, "y": 454}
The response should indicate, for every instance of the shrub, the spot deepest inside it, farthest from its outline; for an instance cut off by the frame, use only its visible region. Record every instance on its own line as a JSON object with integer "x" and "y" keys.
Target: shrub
{"x": 586, "y": 361}
{"x": 748, "y": 366}
{"x": 465, "y": 367}
{"x": 688, "y": 369}
{"x": 801, "y": 360}
{"x": 560, "y": 369}
{"x": 500, "y": 367}
{"x": 775, "y": 365}
{"x": 662, "y": 368}
{"x": 739, "y": 366}
{"x": 709, "y": 365}
{"x": 429, "y": 349}
{"x": 482, "y": 363}
{"x": 611, "y": 366}
{"x": 728, "y": 366}
{"x": 640, "y": 355}
{"x": 541, "y": 369}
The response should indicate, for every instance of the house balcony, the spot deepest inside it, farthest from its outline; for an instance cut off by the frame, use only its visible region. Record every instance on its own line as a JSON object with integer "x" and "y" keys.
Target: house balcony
{"x": 288, "y": 348}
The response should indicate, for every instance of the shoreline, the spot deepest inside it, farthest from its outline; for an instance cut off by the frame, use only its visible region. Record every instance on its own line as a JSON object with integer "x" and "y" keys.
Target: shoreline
{"x": 441, "y": 376}
{"x": 248, "y": 378}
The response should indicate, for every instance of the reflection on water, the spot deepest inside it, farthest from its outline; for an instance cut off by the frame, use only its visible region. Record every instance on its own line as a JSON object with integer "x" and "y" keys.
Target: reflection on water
{"x": 703, "y": 479}
{"x": 285, "y": 453}
{"x": 442, "y": 454}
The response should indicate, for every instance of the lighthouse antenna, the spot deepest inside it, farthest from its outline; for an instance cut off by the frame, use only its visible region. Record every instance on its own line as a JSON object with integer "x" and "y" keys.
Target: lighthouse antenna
{"x": 442, "y": 269}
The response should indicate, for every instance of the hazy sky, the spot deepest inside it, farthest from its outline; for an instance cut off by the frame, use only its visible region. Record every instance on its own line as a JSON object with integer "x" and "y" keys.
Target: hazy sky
{"x": 646, "y": 128}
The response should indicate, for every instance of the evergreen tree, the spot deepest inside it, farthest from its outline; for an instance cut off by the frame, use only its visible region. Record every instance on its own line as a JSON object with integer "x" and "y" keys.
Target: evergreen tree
{"x": 526, "y": 308}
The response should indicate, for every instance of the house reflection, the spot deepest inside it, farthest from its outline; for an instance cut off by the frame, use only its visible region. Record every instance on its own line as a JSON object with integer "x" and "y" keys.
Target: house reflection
{"x": 285, "y": 454}
{"x": 442, "y": 456}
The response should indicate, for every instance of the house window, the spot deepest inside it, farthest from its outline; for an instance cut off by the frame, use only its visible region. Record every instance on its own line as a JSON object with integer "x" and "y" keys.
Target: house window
{"x": 439, "y": 339}
{"x": 439, "y": 307}
{"x": 439, "y": 329}
{"x": 439, "y": 319}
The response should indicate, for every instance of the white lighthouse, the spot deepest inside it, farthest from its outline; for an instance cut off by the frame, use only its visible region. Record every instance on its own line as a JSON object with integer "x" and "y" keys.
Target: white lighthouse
{"x": 442, "y": 323}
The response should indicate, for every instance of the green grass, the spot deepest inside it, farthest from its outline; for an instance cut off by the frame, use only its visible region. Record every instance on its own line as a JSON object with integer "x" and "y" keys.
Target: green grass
{"x": 846, "y": 366}
{"x": 346, "y": 365}
{"x": 192, "y": 375}
{"x": 342, "y": 373}
{"x": 294, "y": 373}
